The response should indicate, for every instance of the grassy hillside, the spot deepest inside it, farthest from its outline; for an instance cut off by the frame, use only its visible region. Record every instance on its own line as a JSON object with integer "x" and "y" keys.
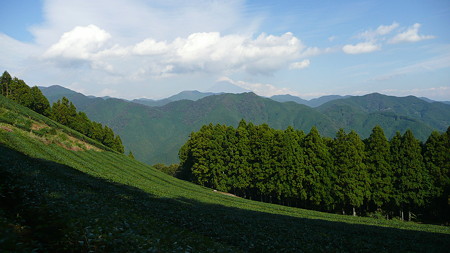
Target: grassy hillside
{"x": 54, "y": 198}
{"x": 155, "y": 134}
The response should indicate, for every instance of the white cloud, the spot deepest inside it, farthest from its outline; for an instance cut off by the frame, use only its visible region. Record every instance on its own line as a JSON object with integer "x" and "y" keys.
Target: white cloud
{"x": 314, "y": 51}
{"x": 81, "y": 43}
{"x": 199, "y": 52}
{"x": 371, "y": 35}
{"x": 300, "y": 65}
{"x": 150, "y": 47}
{"x": 371, "y": 39}
{"x": 361, "y": 48}
{"x": 261, "y": 89}
{"x": 410, "y": 35}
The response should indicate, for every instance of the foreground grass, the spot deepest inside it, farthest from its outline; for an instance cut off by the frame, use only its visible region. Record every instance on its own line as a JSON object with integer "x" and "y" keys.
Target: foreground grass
{"x": 55, "y": 199}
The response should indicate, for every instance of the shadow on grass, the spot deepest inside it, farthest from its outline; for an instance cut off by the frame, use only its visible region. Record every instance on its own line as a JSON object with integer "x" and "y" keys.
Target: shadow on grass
{"x": 91, "y": 213}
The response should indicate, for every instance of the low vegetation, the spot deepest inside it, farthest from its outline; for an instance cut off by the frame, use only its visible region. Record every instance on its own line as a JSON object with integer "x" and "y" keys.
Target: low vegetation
{"x": 58, "y": 199}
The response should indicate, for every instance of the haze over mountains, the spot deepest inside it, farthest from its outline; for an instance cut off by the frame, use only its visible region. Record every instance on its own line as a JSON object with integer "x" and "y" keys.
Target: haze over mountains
{"x": 155, "y": 133}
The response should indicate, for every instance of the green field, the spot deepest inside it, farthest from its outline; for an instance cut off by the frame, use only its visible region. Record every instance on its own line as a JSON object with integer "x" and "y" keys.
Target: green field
{"x": 56, "y": 199}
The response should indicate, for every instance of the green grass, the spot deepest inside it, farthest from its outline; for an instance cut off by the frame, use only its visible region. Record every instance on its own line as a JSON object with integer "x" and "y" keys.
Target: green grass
{"x": 54, "y": 199}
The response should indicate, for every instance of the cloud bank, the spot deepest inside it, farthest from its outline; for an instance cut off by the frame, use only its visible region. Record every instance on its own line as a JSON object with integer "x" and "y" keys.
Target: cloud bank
{"x": 205, "y": 52}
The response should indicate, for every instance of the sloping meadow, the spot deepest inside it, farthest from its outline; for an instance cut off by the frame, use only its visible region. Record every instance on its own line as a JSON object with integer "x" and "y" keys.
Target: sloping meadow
{"x": 54, "y": 198}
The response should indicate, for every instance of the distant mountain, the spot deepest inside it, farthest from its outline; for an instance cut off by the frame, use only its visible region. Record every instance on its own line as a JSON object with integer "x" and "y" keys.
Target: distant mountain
{"x": 433, "y": 101}
{"x": 315, "y": 102}
{"x": 392, "y": 113}
{"x": 184, "y": 95}
{"x": 56, "y": 91}
{"x": 289, "y": 98}
{"x": 155, "y": 134}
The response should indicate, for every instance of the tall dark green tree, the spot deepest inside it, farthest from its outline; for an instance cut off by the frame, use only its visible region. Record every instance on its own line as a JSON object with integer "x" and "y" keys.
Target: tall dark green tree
{"x": 5, "y": 82}
{"x": 352, "y": 180}
{"x": 64, "y": 112}
{"x": 377, "y": 161}
{"x": 20, "y": 92}
{"x": 412, "y": 180}
{"x": 39, "y": 102}
{"x": 239, "y": 166}
{"x": 318, "y": 169}
{"x": 292, "y": 161}
{"x": 437, "y": 162}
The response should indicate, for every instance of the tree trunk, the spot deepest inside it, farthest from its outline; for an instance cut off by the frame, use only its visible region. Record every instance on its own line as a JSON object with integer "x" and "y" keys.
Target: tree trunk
{"x": 409, "y": 215}
{"x": 401, "y": 215}
{"x": 343, "y": 211}
{"x": 354, "y": 211}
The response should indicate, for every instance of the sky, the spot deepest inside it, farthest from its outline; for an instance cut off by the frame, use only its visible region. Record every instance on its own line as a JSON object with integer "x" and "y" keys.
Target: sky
{"x": 155, "y": 49}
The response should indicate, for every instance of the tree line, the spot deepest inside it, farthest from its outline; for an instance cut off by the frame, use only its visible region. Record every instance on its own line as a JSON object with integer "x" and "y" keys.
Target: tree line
{"x": 63, "y": 111}
{"x": 400, "y": 177}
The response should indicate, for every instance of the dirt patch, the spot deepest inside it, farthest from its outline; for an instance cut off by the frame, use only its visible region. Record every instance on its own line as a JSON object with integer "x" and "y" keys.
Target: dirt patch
{"x": 86, "y": 146}
{"x": 72, "y": 148}
{"x": 38, "y": 126}
{"x": 225, "y": 193}
{"x": 7, "y": 129}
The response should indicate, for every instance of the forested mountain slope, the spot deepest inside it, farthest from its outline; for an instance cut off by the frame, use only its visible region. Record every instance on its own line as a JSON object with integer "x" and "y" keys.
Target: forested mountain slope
{"x": 155, "y": 134}
{"x": 92, "y": 200}
{"x": 361, "y": 113}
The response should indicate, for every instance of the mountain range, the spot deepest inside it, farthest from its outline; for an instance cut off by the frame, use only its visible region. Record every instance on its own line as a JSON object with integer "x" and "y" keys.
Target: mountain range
{"x": 155, "y": 133}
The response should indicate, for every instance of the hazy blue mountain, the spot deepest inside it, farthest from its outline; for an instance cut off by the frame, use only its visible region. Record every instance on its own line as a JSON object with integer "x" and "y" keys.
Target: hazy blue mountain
{"x": 184, "y": 95}
{"x": 432, "y": 101}
{"x": 289, "y": 98}
{"x": 315, "y": 102}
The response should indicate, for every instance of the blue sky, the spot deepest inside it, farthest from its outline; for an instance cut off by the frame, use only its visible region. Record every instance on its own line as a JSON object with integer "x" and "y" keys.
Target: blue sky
{"x": 154, "y": 49}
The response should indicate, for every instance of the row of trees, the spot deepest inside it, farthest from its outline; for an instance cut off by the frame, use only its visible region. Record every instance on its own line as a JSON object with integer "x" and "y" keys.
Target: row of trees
{"x": 18, "y": 91}
{"x": 63, "y": 111}
{"x": 345, "y": 174}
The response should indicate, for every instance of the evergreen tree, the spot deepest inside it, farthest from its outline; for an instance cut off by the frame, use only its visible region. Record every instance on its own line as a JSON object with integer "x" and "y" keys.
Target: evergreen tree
{"x": 377, "y": 160}
{"x": 352, "y": 180}
{"x": 118, "y": 146}
{"x": 437, "y": 162}
{"x": 199, "y": 153}
{"x": 318, "y": 165}
{"x": 412, "y": 180}
{"x": 5, "y": 82}
{"x": 39, "y": 102}
{"x": 63, "y": 112}
{"x": 292, "y": 161}
{"x": 239, "y": 167}
{"x": 20, "y": 92}
{"x": 108, "y": 137}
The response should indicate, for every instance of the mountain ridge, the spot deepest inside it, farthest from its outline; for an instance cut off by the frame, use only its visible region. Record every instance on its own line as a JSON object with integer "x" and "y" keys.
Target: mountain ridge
{"x": 155, "y": 134}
